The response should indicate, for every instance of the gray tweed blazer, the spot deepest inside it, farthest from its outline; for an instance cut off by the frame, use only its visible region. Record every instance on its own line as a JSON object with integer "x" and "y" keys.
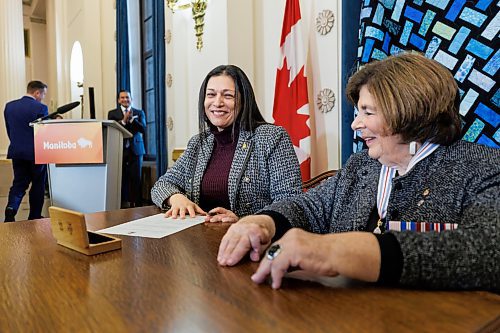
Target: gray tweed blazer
{"x": 264, "y": 169}
{"x": 462, "y": 183}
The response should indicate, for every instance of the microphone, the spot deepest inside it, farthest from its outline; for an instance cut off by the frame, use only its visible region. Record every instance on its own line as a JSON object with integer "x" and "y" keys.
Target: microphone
{"x": 60, "y": 110}
{"x": 67, "y": 107}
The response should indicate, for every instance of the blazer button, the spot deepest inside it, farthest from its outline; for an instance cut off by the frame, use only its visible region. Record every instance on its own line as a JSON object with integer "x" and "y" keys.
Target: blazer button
{"x": 246, "y": 180}
{"x": 398, "y": 186}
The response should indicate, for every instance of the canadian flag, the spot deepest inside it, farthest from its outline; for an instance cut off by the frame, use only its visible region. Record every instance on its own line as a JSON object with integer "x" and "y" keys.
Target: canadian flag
{"x": 291, "y": 105}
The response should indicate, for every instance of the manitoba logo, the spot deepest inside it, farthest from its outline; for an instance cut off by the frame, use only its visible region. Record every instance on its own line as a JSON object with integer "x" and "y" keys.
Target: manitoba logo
{"x": 59, "y": 145}
{"x": 84, "y": 143}
{"x": 66, "y": 145}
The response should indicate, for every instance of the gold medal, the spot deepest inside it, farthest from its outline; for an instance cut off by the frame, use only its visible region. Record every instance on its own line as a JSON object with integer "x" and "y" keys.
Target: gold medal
{"x": 377, "y": 230}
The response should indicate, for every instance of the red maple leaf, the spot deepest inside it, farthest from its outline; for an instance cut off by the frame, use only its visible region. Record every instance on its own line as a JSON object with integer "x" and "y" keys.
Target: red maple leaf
{"x": 288, "y": 100}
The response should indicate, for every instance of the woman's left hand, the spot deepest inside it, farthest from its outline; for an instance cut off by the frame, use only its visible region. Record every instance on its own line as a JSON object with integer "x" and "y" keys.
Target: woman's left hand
{"x": 354, "y": 255}
{"x": 220, "y": 214}
{"x": 297, "y": 249}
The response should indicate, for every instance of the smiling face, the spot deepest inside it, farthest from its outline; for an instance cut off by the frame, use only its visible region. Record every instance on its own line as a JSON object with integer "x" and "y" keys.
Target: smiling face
{"x": 220, "y": 101}
{"x": 387, "y": 148}
{"x": 124, "y": 99}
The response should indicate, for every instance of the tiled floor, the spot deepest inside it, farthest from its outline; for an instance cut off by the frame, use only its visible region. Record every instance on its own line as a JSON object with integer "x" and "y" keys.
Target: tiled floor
{"x": 5, "y": 183}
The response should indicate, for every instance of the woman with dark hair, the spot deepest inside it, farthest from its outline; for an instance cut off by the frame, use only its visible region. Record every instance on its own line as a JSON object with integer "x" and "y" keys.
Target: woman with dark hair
{"x": 419, "y": 207}
{"x": 236, "y": 164}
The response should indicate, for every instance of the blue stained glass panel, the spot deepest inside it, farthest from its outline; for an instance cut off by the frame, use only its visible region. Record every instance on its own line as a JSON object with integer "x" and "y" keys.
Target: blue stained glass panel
{"x": 459, "y": 39}
{"x": 496, "y": 98}
{"x": 481, "y": 80}
{"x": 488, "y": 114}
{"x": 387, "y": 41}
{"x": 468, "y": 101}
{"x": 426, "y": 23}
{"x": 413, "y": 14}
{"x": 474, "y": 130}
{"x": 432, "y": 47}
{"x": 396, "y": 13}
{"x": 454, "y": 10}
{"x": 379, "y": 55}
{"x": 417, "y": 41}
{"x": 483, "y": 4}
{"x": 389, "y": 4}
{"x": 479, "y": 49}
{"x": 484, "y": 140}
{"x": 473, "y": 16}
{"x": 465, "y": 68}
{"x": 406, "y": 33}
{"x": 463, "y": 35}
{"x": 441, "y": 4}
{"x": 496, "y": 136}
{"x": 492, "y": 28}
{"x": 374, "y": 33}
{"x": 379, "y": 15}
{"x": 368, "y": 49}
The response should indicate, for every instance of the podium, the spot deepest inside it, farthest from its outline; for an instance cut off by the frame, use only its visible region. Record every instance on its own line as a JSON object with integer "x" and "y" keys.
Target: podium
{"x": 93, "y": 182}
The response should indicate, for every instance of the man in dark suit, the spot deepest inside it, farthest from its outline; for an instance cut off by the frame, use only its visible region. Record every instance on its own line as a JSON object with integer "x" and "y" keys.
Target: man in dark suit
{"x": 134, "y": 120}
{"x": 18, "y": 115}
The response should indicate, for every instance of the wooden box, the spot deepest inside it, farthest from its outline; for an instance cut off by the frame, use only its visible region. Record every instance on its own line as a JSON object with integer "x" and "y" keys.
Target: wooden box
{"x": 70, "y": 230}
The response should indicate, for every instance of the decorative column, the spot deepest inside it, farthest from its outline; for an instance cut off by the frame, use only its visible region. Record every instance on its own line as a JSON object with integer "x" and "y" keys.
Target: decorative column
{"x": 12, "y": 62}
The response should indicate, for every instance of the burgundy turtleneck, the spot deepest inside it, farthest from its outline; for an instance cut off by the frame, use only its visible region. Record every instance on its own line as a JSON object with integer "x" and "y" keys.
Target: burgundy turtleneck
{"x": 214, "y": 191}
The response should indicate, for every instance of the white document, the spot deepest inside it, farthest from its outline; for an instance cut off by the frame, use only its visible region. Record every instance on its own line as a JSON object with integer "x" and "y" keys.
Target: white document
{"x": 155, "y": 226}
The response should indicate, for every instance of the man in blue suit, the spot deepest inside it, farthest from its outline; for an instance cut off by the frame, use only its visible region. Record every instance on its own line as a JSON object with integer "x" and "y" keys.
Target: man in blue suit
{"x": 134, "y": 120}
{"x": 18, "y": 115}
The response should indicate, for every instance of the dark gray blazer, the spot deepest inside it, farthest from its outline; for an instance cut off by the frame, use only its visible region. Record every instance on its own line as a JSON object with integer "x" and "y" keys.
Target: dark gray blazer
{"x": 264, "y": 169}
{"x": 463, "y": 187}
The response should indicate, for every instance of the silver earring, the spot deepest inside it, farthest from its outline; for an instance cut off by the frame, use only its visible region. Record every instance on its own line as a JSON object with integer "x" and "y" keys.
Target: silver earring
{"x": 413, "y": 148}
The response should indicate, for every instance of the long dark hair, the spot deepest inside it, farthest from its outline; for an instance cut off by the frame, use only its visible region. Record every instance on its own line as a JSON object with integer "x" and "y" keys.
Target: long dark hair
{"x": 248, "y": 116}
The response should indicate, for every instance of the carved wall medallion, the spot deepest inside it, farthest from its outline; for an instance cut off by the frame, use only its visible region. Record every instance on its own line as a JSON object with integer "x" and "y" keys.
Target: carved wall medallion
{"x": 168, "y": 36}
{"x": 325, "y": 21}
{"x": 325, "y": 100}
{"x": 169, "y": 80}
{"x": 170, "y": 123}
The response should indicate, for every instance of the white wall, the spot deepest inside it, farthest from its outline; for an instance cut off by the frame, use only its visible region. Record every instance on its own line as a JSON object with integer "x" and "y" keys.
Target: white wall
{"x": 247, "y": 34}
{"x": 92, "y": 23}
{"x": 188, "y": 66}
{"x": 241, "y": 32}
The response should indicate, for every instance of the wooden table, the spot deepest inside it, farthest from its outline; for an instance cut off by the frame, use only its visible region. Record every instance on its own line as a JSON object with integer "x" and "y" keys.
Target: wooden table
{"x": 174, "y": 284}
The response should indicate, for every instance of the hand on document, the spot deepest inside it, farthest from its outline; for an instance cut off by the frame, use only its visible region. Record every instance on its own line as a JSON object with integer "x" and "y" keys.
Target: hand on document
{"x": 220, "y": 214}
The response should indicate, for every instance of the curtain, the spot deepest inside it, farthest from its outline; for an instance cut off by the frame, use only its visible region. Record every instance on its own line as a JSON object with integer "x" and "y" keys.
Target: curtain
{"x": 350, "y": 25}
{"x": 462, "y": 35}
{"x": 159, "y": 83}
{"x": 122, "y": 47}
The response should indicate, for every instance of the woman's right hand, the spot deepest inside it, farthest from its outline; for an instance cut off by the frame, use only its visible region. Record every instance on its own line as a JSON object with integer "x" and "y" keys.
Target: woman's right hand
{"x": 252, "y": 234}
{"x": 180, "y": 205}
